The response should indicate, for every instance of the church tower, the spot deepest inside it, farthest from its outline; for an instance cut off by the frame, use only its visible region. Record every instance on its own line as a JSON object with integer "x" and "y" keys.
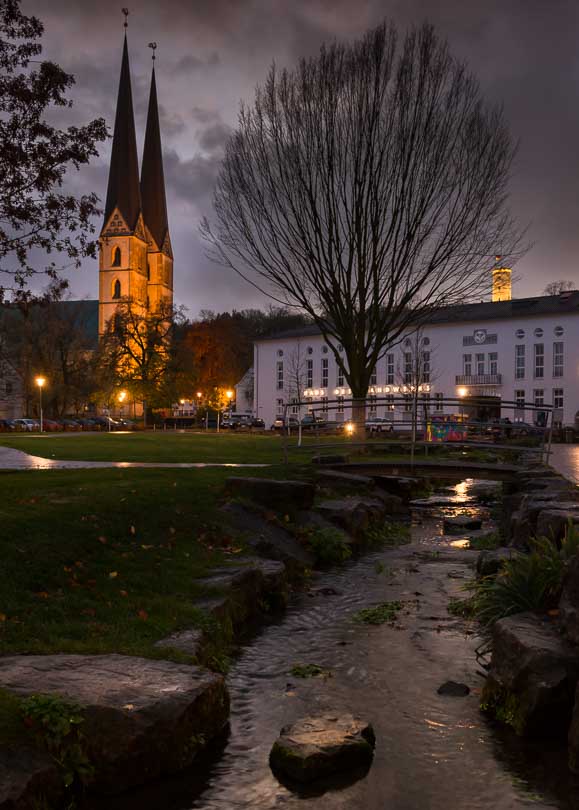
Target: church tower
{"x": 154, "y": 206}
{"x": 123, "y": 242}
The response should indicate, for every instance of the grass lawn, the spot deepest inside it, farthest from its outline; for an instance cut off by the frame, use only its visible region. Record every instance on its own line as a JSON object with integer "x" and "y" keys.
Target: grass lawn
{"x": 167, "y": 446}
{"x": 106, "y": 560}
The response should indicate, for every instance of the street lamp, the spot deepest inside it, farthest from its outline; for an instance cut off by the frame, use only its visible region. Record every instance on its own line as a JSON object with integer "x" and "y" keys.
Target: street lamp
{"x": 40, "y": 382}
{"x": 121, "y": 397}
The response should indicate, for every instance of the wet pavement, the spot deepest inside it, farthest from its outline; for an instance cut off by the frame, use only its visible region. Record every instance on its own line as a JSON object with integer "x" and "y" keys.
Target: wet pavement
{"x": 11, "y": 459}
{"x": 565, "y": 459}
{"x": 432, "y": 752}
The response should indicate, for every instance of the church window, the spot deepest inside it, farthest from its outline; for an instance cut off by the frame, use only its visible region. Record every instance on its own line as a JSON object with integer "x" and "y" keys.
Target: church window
{"x": 116, "y": 288}
{"x": 116, "y": 257}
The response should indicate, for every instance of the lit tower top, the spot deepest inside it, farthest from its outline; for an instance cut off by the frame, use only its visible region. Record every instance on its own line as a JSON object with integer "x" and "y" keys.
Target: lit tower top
{"x": 123, "y": 192}
{"x": 501, "y": 281}
{"x": 159, "y": 252}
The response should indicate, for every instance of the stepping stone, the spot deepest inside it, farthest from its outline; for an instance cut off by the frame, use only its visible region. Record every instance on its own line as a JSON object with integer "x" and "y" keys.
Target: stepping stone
{"x": 282, "y": 496}
{"x": 453, "y": 689}
{"x": 318, "y": 746}
{"x": 461, "y": 523}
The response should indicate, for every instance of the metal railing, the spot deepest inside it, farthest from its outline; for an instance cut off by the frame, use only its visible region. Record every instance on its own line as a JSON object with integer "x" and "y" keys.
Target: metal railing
{"x": 479, "y": 379}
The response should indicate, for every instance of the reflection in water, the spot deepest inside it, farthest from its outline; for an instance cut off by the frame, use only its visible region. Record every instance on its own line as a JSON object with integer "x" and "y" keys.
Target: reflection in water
{"x": 565, "y": 459}
{"x": 432, "y": 753}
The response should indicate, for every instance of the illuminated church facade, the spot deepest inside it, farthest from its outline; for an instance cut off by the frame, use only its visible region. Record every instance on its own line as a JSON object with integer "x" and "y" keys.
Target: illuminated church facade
{"x": 135, "y": 255}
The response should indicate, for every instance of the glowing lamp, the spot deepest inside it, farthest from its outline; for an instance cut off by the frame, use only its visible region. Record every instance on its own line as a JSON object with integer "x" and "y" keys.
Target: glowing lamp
{"x": 40, "y": 381}
{"x": 349, "y": 427}
{"x": 462, "y": 392}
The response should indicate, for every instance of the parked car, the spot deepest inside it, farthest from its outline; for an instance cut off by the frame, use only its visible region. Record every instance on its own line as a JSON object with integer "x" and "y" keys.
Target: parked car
{"x": 51, "y": 425}
{"x": 26, "y": 424}
{"x": 257, "y": 422}
{"x": 7, "y": 425}
{"x": 378, "y": 424}
{"x": 236, "y": 420}
{"x": 280, "y": 423}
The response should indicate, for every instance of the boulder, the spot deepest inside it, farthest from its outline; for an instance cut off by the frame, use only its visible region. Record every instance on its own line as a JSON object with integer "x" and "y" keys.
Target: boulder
{"x": 405, "y": 488}
{"x": 490, "y": 562}
{"x": 344, "y": 481}
{"x": 29, "y": 778}
{"x": 281, "y": 496}
{"x": 188, "y": 642}
{"x": 354, "y": 515}
{"x": 569, "y": 602}
{"x": 533, "y": 675}
{"x": 318, "y": 746}
{"x": 142, "y": 719}
{"x": 461, "y": 523}
{"x": 552, "y": 523}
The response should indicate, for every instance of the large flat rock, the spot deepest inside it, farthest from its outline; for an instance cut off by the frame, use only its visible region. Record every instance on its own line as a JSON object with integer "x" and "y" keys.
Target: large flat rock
{"x": 354, "y": 515}
{"x": 315, "y": 747}
{"x": 143, "y": 719}
{"x": 533, "y": 675}
{"x": 281, "y": 496}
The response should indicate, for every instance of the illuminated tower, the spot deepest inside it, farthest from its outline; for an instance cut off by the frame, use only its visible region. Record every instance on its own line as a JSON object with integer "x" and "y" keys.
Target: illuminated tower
{"x": 159, "y": 253}
{"x": 501, "y": 281}
{"x": 123, "y": 241}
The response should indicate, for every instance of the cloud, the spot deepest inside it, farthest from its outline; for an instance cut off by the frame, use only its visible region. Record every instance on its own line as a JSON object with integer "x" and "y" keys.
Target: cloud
{"x": 191, "y": 63}
{"x": 214, "y": 138}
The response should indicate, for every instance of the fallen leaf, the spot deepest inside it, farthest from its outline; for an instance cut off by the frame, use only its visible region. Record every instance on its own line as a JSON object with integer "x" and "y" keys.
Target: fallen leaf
{"x": 172, "y": 530}
{"x": 123, "y": 593}
{"x": 129, "y": 706}
{"x": 554, "y": 612}
{"x": 102, "y": 539}
{"x": 42, "y": 595}
{"x": 143, "y": 615}
{"x": 147, "y": 547}
{"x": 2, "y": 617}
{"x": 113, "y": 574}
{"x": 133, "y": 530}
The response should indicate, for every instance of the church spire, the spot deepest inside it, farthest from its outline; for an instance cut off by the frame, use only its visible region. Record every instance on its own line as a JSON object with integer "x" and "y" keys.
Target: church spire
{"x": 123, "y": 190}
{"x": 152, "y": 176}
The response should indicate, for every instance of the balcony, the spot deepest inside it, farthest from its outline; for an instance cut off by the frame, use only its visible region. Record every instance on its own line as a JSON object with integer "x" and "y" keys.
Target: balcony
{"x": 479, "y": 379}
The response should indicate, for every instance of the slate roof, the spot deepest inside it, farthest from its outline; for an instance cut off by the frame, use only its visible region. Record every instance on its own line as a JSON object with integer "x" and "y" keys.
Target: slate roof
{"x": 152, "y": 177}
{"x": 81, "y": 314}
{"x": 563, "y": 304}
{"x": 123, "y": 191}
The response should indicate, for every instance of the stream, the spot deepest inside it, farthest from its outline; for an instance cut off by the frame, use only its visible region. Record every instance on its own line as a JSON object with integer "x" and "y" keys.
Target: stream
{"x": 432, "y": 752}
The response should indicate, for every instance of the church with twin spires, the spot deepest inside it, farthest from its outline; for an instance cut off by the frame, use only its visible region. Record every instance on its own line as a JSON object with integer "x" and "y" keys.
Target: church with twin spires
{"x": 135, "y": 256}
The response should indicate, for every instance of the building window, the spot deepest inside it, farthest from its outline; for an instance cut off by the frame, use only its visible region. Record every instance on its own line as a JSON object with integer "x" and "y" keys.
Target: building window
{"x": 324, "y": 372}
{"x": 294, "y": 406}
{"x": 519, "y": 415}
{"x": 493, "y": 363}
{"x": 520, "y": 334}
{"x": 480, "y": 364}
{"x": 373, "y": 378}
{"x": 389, "y": 369}
{"x": 538, "y": 332}
{"x": 280, "y": 352}
{"x": 539, "y": 364}
{"x": 438, "y": 402}
{"x": 426, "y": 367}
{"x": 467, "y": 365}
{"x": 390, "y": 405}
{"x": 340, "y": 407}
{"x": 324, "y": 401}
{"x": 279, "y": 365}
{"x": 539, "y": 397}
{"x": 557, "y": 397}
{"x": 340, "y": 378}
{"x": 558, "y": 331}
{"x": 408, "y": 403}
{"x": 407, "y": 367}
{"x": 558, "y": 359}
{"x": 309, "y": 373}
{"x": 324, "y": 349}
{"x": 116, "y": 288}
{"x": 426, "y": 405}
{"x": 310, "y": 350}
{"x": 279, "y": 407}
{"x": 116, "y": 257}
{"x": 372, "y": 406}
{"x": 519, "y": 362}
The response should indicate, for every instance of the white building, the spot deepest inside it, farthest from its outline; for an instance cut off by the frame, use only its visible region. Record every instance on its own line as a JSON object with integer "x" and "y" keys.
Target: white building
{"x": 524, "y": 350}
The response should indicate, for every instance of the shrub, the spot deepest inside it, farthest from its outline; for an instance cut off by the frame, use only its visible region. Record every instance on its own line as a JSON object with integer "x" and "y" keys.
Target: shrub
{"x": 528, "y": 582}
{"x": 485, "y": 542}
{"x": 387, "y": 534}
{"x": 328, "y": 546}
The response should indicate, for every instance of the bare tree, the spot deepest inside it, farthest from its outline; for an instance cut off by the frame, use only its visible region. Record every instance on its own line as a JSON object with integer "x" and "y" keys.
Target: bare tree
{"x": 558, "y": 287}
{"x": 296, "y": 382}
{"x": 416, "y": 374}
{"x": 367, "y": 187}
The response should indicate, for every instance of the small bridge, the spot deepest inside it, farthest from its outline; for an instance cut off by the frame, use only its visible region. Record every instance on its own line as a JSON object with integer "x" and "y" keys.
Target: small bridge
{"x": 425, "y": 468}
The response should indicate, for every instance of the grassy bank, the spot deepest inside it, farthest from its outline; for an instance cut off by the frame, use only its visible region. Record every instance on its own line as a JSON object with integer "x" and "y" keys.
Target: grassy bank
{"x": 106, "y": 560}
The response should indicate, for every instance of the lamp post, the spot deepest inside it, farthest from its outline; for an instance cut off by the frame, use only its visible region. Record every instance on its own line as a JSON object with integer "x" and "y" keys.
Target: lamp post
{"x": 229, "y": 395}
{"x": 40, "y": 382}
{"x": 122, "y": 396}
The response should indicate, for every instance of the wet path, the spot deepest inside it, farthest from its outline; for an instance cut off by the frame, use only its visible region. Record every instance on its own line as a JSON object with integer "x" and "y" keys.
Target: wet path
{"x": 432, "y": 752}
{"x": 565, "y": 459}
{"x": 12, "y": 459}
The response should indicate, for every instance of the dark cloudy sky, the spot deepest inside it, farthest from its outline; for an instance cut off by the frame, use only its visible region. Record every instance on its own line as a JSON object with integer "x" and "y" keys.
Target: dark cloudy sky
{"x": 212, "y": 53}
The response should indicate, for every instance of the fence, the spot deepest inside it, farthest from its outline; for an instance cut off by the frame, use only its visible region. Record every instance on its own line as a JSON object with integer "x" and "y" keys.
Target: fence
{"x": 421, "y": 423}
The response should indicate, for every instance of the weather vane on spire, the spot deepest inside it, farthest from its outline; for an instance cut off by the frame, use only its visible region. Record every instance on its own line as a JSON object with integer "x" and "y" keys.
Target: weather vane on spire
{"x": 153, "y": 46}
{"x": 126, "y": 13}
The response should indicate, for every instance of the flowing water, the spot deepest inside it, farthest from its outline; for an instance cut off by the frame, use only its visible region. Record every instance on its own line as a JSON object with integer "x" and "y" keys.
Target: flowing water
{"x": 432, "y": 752}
